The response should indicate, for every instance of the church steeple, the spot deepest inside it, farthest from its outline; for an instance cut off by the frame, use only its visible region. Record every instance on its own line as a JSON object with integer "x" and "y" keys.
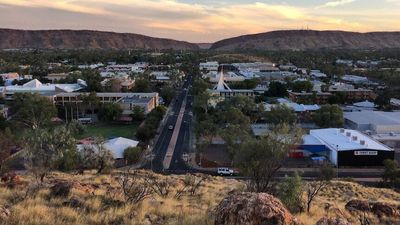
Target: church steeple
{"x": 222, "y": 86}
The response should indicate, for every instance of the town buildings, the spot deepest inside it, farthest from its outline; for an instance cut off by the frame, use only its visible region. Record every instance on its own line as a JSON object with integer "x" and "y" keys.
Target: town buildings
{"x": 344, "y": 147}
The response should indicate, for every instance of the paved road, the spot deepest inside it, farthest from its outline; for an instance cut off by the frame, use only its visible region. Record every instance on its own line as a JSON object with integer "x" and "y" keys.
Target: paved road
{"x": 178, "y": 166}
{"x": 182, "y": 143}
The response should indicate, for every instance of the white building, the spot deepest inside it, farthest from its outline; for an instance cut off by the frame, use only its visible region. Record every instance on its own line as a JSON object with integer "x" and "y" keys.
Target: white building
{"x": 35, "y": 86}
{"x": 209, "y": 66}
{"x": 317, "y": 74}
{"x": 355, "y": 79}
{"x": 352, "y": 148}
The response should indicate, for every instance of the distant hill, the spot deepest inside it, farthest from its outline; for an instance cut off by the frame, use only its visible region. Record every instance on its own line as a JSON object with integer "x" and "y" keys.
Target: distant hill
{"x": 204, "y": 45}
{"x": 309, "y": 39}
{"x": 85, "y": 39}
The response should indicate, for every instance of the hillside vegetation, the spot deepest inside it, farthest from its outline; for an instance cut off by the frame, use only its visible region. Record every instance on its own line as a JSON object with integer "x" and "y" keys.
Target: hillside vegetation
{"x": 310, "y": 40}
{"x": 91, "y": 198}
{"x": 85, "y": 39}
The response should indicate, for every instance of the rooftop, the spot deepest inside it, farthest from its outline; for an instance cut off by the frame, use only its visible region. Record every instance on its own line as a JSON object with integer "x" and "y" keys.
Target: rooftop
{"x": 345, "y": 139}
{"x": 374, "y": 117}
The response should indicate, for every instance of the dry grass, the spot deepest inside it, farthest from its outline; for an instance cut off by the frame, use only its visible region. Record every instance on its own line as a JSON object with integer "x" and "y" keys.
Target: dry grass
{"x": 43, "y": 209}
{"x": 339, "y": 193}
{"x": 100, "y": 208}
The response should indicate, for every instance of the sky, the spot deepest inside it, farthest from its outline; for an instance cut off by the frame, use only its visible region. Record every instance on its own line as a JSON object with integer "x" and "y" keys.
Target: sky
{"x": 201, "y": 21}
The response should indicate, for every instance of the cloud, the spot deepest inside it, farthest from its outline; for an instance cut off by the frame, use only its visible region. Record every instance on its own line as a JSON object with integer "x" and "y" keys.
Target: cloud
{"x": 202, "y": 21}
{"x": 337, "y": 3}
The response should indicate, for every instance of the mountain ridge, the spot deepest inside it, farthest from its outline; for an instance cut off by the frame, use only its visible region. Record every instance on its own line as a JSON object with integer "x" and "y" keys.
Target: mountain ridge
{"x": 310, "y": 39}
{"x": 85, "y": 39}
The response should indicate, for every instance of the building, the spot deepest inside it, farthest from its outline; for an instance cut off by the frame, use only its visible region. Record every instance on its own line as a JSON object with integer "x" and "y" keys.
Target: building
{"x": 222, "y": 91}
{"x": 56, "y": 76}
{"x": 35, "y": 86}
{"x": 317, "y": 74}
{"x": 345, "y": 147}
{"x": 383, "y": 126}
{"x": 352, "y": 94}
{"x": 229, "y": 77}
{"x": 319, "y": 98}
{"x": 127, "y": 101}
{"x": 355, "y": 79}
{"x": 209, "y": 66}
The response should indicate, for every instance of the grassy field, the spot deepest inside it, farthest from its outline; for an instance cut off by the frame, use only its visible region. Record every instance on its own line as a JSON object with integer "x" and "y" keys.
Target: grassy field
{"x": 110, "y": 130}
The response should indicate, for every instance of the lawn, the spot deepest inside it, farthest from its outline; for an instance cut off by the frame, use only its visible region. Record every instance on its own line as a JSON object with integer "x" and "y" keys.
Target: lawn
{"x": 107, "y": 130}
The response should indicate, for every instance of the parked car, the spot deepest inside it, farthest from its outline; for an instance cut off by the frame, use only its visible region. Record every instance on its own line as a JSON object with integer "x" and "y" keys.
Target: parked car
{"x": 170, "y": 127}
{"x": 222, "y": 171}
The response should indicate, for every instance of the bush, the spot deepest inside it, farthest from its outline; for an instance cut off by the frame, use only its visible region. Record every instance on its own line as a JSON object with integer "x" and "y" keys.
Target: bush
{"x": 132, "y": 155}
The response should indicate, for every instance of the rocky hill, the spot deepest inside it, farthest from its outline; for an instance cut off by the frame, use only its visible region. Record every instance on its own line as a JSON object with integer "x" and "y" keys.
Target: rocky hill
{"x": 84, "y": 39}
{"x": 309, "y": 39}
{"x": 144, "y": 198}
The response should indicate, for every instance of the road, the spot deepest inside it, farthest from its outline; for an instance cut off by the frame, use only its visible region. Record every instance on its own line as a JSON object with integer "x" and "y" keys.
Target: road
{"x": 177, "y": 142}
{"x": 180, "y": 143}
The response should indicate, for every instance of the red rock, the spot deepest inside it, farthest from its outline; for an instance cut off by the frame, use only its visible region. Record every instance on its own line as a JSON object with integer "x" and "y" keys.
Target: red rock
{"x": 252, "y": 209}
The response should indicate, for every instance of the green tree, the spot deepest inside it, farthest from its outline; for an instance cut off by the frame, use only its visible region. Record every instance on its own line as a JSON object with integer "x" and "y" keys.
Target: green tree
{"x": 167, "y": 93}
{"x": 91, "y": 101}
{"x": 45, "y": 148}
{"x": 109, "y": 112}
{"x": 383, "y": 99}
{"x": 97, "y": 156}
{"x": 276, "y": 89}
{"x": 291, "y": 193}
{"x": 261, "y": 159}
{"x": 329, "y": 116}
{"x": 142, "y": 85}
{"x": 302, "y": 86}
{"x": 138, "y": 113}
{"x": 281, "y": 114}
{"x": 391, "y": 174}
{"x": 32, "y": 110}
{"x": 133, "y": 154}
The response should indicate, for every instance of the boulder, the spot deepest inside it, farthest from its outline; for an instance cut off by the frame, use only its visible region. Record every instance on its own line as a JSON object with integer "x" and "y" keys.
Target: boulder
{"x": 383, "y": 209}
{"x": 244, "y": 208}
{"x": 358, "y": 205}
{"x": 4, "y": 213}
{"x": 377, "y": 208}
{"x": 61, "y": 189}
{"x": 333, "y": 221}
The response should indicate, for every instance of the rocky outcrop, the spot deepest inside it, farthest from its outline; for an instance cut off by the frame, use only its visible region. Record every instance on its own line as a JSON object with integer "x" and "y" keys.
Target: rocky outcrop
{"x": 333, "y": 221}
{"x": 378, "y": 208}
{"x": 85, "y": 39}
{"x": 310, "y": 39}
{"x": 358, "y": 205}
{"x": 252, "y": 209}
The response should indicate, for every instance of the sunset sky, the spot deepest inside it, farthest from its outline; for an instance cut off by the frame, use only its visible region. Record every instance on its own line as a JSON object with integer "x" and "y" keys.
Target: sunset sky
{"x": 201, "y": 21}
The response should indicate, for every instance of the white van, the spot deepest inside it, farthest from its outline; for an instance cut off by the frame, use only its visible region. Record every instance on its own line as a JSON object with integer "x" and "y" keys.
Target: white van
{"x": 222, "y": 171}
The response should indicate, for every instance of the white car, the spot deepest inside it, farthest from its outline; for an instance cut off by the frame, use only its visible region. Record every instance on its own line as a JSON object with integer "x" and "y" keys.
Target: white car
{"x": 222, "y": 171}
{"x": 170, "y": 127}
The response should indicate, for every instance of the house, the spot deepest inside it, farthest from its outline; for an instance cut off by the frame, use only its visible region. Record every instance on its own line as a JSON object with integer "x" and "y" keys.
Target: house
{"x": 118, "y": 145}
{"x": 344, "y": 147}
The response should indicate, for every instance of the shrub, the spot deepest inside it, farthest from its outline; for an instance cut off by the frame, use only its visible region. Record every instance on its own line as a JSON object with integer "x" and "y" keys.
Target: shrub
{"x": 132, "y": 155}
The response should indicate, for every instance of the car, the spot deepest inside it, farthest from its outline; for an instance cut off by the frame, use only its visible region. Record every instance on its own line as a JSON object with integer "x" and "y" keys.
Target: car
{"x": 222, "y": 171}
{"x": 170, "y": 127}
